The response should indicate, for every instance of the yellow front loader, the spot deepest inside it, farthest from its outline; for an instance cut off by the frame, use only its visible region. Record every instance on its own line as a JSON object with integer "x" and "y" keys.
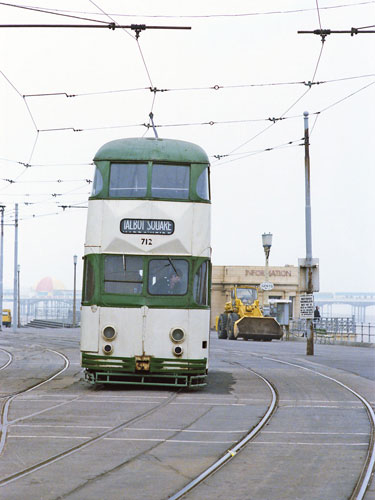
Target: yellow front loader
{"x": 243, "y": 318}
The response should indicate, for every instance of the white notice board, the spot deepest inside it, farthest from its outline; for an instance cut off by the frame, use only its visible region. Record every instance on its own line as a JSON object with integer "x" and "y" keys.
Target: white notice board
{"x": 306, "y": 306}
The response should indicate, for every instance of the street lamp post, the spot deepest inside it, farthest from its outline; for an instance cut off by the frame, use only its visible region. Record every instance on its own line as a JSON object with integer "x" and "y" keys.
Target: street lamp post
{"x": 74, "y": 291}
{"x": 267, "y": 243}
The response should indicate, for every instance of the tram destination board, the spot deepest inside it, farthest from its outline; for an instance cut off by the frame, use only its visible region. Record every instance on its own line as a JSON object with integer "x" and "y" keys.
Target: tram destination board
{"x": 307, "y": 306}
{"x": 147, "y": 226}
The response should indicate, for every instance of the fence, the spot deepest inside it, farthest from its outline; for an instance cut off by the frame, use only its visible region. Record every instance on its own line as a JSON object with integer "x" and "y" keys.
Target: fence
{"x": 335, "y": 329}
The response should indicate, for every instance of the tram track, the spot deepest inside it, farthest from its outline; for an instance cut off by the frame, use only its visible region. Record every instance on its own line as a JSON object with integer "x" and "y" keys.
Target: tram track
{"x": 74, "y": 449}
{"x": 232, "y": 452}
{"x": 4, "y": 422}
{"x": 364, "y": 478}
{"x": 9, "y": 361}
{"x": 367, "y": 470}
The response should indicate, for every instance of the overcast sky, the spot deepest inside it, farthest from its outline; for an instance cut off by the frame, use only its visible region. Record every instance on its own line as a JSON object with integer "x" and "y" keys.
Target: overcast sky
{"x": 252, "y": 52}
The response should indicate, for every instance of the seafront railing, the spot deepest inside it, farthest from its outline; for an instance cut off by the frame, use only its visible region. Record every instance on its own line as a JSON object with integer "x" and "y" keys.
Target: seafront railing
{"x": 327, "y": 330}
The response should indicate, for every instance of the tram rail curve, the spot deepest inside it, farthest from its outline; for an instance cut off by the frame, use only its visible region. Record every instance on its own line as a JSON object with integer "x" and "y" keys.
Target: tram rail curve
{"x": 232, "y": 452}
{"x": 364, "y": 478}
{"x": 367, "y": 471}
{"x": 4, "y": 423}
{"x": 9, "y": 361}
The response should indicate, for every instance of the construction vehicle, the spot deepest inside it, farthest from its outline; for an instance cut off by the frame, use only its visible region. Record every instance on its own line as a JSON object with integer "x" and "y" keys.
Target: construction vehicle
{"x": 243, "y": 318}
{"x": 7, "y": 318}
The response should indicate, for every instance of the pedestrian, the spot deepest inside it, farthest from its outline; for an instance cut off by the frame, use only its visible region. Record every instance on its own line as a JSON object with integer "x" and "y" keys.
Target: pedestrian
{"x": 317, "y": 313}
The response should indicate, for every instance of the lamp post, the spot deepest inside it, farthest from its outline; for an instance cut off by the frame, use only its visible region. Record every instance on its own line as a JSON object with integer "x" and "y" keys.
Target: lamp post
{"x": 74, "y": 290}
{"x": 267, "y": 243}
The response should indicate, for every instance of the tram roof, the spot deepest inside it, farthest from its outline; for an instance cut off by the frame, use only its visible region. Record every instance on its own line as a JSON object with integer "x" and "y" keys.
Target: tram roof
{"x": 151, "y": 149}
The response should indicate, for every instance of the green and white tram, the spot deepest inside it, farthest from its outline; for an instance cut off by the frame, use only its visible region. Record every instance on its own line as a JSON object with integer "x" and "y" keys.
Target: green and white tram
{"x": 147, "y": 271}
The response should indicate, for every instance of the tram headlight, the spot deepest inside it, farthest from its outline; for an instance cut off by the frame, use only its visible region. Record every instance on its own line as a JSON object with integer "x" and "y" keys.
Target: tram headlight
{"x": 108, "y": 349}
{"x": 177, "y": 335}
{"x": 177, "y": 350}
{"x": 109, "y": 333}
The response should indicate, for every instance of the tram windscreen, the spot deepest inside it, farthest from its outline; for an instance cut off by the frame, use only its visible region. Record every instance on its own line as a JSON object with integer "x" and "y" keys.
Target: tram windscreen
{"x": 128, "y": 180}
{"x": 247, "y": 295}
{"x": 123, "y": 275}
{"x": 170, "y": 181}
{"x": 168, "y": 276}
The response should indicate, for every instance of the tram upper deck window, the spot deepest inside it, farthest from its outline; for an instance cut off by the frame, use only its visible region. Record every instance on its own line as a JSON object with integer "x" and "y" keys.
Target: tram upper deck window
{"x": 170, "y": 181}
{"x": 98, "y": 182}
{"x": 128, "y": 180}
{"x": 202, "y": 185}
{"x": 168, "y": 276}
{"x": 123, "y": 275}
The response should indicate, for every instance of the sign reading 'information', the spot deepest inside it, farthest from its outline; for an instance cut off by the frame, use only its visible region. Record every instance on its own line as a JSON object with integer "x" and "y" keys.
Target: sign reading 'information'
{"x": 307, "y": 306}
{"x": 147, "y": 226}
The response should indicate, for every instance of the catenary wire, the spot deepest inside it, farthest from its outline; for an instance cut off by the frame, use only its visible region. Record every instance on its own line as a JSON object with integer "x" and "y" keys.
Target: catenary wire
{"x": 47, "y": 11}
{"x": 188, "y": 89}
{"x": 234, "y": 15}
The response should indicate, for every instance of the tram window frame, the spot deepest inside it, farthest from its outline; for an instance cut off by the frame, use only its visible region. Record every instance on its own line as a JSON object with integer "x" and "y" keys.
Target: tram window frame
{"x": 203, "y": 191}
{"x": 130, "y": 190}
{"x": 98, "y": 183}
{"x": 163, "y": 277}
{"x": 88, "y": 281}
{"x": 123, "y": 286}
{"x": 200, "y": 284}
{"x": 177, "y": 192}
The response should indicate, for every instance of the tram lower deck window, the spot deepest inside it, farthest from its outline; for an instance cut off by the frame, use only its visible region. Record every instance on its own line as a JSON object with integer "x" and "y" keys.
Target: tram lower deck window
{"x": 200, "y": 285}
{"x": 123, "y": 274}
{"x": 168, "y": 276}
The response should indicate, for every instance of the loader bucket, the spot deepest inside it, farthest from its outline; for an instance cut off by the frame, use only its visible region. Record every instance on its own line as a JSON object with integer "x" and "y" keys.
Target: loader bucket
{"x": 254, "y": 328}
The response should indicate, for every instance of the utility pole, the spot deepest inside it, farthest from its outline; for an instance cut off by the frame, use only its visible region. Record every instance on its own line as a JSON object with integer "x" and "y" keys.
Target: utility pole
{"x": 2, "y": 207}
{"x": 18, "y": 297}
{"x": 74, "y": 290}
{"x": 15, "y": 287}
{"x": 309, "y": 281}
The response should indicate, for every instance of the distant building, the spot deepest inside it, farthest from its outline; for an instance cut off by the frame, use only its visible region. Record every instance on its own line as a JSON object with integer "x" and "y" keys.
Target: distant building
{"x": 285, "y": 280}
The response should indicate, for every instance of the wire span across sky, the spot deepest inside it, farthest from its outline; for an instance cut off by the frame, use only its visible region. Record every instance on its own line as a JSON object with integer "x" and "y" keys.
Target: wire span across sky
{"x": 69, "y": 92}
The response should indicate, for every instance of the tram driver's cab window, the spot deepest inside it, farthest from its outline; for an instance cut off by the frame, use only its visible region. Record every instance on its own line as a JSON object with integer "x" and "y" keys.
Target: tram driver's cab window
{"x": 168, "y": 276}
{"x": 170, "y": 181}
{"x": 123, "y": 274}
{"x": 128, "y": 180}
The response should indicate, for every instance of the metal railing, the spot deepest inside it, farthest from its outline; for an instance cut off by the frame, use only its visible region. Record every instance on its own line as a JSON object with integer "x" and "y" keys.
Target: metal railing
{"x": 328, "y": 330}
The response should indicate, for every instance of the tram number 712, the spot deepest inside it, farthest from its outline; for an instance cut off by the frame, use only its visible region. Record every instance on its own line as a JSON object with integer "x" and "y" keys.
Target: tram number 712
{"x": 146, "y": 241}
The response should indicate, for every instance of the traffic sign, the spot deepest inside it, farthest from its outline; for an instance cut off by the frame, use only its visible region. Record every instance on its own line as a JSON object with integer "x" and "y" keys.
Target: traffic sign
{"x": 266, "y": 285}
{"x": 306, "y": 306}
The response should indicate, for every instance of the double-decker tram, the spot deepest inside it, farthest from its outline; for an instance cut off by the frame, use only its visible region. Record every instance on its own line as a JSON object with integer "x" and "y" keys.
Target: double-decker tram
{"x": 147, "y": 270}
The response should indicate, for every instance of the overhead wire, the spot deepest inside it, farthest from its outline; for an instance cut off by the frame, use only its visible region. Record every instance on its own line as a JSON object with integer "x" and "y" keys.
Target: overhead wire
{"x": 213, "y": 16}
{"x": 49, "y": 11}
{"x": 155, "y": 90}
{"x": 189, "y": 89}
{"x": 139, "y": 49}
{"x": 292, "y": 105}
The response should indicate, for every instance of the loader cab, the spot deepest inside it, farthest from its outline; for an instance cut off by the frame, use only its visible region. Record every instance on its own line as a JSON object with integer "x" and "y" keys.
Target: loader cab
{"x": 247, "y": 295}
